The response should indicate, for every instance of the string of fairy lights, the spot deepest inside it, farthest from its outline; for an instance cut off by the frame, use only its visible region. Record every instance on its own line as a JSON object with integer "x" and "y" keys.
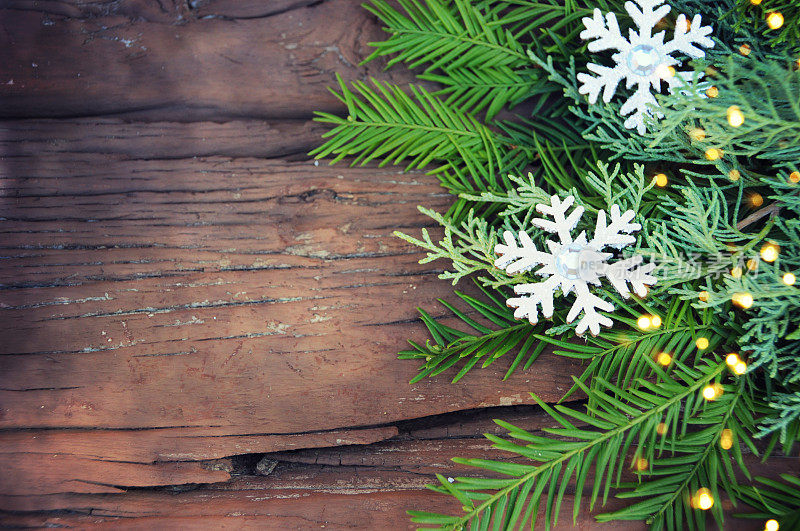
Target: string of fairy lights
{"x": 703, "y": 498}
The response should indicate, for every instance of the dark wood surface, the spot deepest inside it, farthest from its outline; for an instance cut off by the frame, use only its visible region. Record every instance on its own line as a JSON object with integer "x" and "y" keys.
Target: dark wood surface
{"x": 200, "y": 324}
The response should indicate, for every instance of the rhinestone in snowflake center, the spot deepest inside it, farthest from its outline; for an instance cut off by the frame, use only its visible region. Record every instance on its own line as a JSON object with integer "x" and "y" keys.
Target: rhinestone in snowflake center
{"x": 643, "y": 59}
{"x": 573, "y": 261}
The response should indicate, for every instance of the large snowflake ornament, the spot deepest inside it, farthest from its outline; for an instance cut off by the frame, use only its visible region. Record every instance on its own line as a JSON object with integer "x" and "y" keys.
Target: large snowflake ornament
{"x": 574, "y": 264}
{"x": 643, "y": 59}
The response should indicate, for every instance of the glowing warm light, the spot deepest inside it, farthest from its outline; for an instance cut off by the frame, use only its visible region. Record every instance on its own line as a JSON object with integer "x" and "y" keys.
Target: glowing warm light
{"x": 732, "y": 359}
{"x": 744, "y": 49}
{"x": 661, "y": 180}
{"x": 740, "y": 368}
{"x": 655, "y": 321}
{"x": 734, "y": 175}
{"x": 664, "y": 359}
{"x": 642, "y": 464}
{"x": 735, "y": 116}
{"x": 736, "y": 272}
{"x": 789, "y": 279}
{"x": 794, "y": 177}
{"x": 703, "y": 296}
{"x": 664, "y": 71}
{"x": 756, "y": 200}
{"x": 743, "y": 300}
{"x": 644, "y": 322}
{"x": 712, "y": 92}
{"x": 755, "y": 2}
{"x": 774, "y": 20}
{"x": 772, "y": 524}
{"x": 752, "y": 264}
{"x": 703, "y": 499}
{"x": 709, "y": 393}
{"x": 702, "y": 343}
{"x": 726, "y": 439}
{"x": 713, "y": 153}
{"x": 697, "y": 134}
{"x": 661, "y": 428}
{"x": 769, "y": 253}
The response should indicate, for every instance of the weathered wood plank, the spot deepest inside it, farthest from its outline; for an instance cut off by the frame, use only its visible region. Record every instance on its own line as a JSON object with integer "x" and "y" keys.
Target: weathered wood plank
{"x": 331, "y": 486}
{"x": 26, "y": 474}
{"x": 174, "y": 444}
{"x": 89, "y": 59}
{"x": 159, "y": 140}
{"x": 236, "y": 304}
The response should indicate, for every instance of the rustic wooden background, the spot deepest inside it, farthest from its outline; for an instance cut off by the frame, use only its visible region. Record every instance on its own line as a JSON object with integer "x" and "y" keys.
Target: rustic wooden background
{"x": 199, "y": 323}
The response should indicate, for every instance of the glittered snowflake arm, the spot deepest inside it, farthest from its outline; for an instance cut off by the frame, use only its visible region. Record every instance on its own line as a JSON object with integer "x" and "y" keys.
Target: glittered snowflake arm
{"x": 617, "y": 233}
{"x": 648, "y": 16}
{"x": 606, "y": 80}
{"x": 640, "y": 104}
{"x": 625, "y": 272}
{"x": 518, "y": 258}
{"x": 687, "y": 35}
{"x": 589, "y": 303}
{"x": 561, "y": 224}
{"x": 605, "y": 30}
{"x": 535, "y": 295}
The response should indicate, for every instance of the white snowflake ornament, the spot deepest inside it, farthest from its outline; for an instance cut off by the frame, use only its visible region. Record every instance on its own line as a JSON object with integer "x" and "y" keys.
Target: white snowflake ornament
{"x": 643, "y": 59}
{"x": 574, "y": 264}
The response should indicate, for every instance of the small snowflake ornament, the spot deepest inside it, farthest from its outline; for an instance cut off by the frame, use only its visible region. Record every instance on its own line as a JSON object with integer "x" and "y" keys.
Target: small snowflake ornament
{"x": 643, "y": 59}
{"x": 574, "y": 264}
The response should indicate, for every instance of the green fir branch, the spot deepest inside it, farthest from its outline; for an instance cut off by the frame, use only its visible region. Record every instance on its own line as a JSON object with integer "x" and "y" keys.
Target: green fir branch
{"x": 622, "y": 419}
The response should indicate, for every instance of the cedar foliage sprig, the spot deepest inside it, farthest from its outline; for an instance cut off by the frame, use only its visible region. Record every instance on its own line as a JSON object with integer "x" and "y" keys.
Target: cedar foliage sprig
{"x": 498, "y": 134}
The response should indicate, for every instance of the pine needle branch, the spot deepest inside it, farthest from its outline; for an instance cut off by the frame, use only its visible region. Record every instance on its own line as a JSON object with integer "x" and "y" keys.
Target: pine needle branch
{"x": 621, "y": 416}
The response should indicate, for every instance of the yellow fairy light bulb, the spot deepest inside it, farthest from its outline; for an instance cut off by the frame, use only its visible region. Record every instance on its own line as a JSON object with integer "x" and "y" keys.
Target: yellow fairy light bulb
{"x": 664, "y": 359}
{"x": 771, "y": 524}
{"x": 642, "y": 464}
{"x": 709, "y": 393}
{"x": 752, "y": 264}
{"x": 743, "y": 300}
{"x": 703, "y": 499}
{"x": 697, "y": 134}
{"x": 794, "y": 177}
{"x": 734, "y": 175}
{"x": 735, "y": 116}
{"x": 663, "y": 71}
{"x": 644, "y": 322}
{"x": 703, "y": 296}
{"x": 736, "y": 272}
{"x": 775, "y": 20}
{"x": 744, "y": 49}
{"x": 769, "y": 253}
{"x": 661, "y": 179}
{"x": 732, "y": 359}
{"x": 713, "y": 153}
{"x": 712, "y": 92}
{"x": 726, "y": 439}
{"x": 655, "y": 321}
{"x": 789, "y": 279}
{"x": 756, "y": 200}
{"x": 740, "y": 368}
{"x": 702, "y": 343}
{"x": 755, "y": 2}
{"x": 661, "y": 428}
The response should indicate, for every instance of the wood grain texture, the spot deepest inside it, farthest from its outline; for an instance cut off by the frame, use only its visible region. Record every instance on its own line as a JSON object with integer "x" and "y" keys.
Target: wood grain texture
{"x": 164, "y": 59}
